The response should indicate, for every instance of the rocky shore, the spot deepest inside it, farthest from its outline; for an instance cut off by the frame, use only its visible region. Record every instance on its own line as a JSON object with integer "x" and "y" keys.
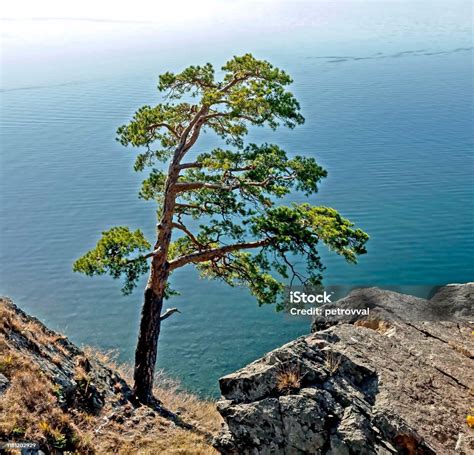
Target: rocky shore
{"x": 396, "y": 382}
{"x": 391, "y": 383}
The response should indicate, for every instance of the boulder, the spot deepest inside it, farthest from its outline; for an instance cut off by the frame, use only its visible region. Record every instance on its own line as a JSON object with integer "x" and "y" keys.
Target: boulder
{"x": 392, "y": 383}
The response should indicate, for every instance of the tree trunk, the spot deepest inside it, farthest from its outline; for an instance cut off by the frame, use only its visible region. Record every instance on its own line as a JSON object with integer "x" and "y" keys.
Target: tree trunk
{"x": 147, "y": 346}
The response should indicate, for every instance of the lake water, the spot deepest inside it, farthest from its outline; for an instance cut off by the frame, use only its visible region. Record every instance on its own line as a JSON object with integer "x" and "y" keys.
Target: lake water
{"x": 386, "y": 89}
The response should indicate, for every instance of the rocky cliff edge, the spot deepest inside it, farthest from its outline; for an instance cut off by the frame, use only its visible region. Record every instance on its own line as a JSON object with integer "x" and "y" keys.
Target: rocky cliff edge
{"x": 387, "y": 384}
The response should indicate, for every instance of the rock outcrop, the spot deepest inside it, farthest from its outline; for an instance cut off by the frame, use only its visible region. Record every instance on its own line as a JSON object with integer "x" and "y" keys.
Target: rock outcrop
{"x": 82, "y": 382}
{"x": 391, "y": 383}
{"x": 58, "y": 398}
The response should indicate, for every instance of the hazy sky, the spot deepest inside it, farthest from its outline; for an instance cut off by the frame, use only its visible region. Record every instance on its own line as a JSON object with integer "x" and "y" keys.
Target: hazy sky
{"x": 177, "y": 11}
{"x": 34, "y": 23}
{"x": 26, "y": 18}
{"x": 138, "y": 10}
{"x": 56, "y": 36}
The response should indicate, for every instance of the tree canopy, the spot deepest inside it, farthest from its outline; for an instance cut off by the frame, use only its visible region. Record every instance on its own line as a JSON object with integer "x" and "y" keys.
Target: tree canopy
{"x": 245, "y": 236}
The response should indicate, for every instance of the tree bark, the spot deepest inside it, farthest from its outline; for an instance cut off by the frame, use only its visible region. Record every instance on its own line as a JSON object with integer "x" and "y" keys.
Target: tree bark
{"x": 147, "y": 346}
{"x": 150, "y": 322}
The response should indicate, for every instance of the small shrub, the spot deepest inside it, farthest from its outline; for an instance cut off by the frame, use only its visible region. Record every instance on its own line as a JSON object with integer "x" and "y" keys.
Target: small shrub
{"x": 289, "y": 380}
{"x": 374, "y": 324}
{"x": 44, "y": 427}
{"x": 470, "y": 420}
{"x": 18, "y": 432}
{"x": 6, "y": 365}
{"x": 59, "y": 440}
{"x": 82, "y": 378}
{"x": 57, "y": 391}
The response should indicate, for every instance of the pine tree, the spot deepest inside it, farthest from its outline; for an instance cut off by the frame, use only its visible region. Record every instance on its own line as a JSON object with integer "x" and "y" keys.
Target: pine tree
{"x": 245, "y": 237}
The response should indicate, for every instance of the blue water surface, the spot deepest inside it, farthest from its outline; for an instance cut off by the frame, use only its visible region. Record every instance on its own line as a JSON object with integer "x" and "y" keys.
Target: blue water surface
{"x": 387, "y": 96}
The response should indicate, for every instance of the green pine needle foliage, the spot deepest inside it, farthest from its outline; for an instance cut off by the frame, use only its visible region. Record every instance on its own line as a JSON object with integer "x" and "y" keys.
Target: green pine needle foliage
{"x": 231, "y": 194}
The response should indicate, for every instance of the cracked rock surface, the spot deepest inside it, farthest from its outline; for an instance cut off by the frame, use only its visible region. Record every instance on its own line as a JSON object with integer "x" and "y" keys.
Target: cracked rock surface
{"x": 384, "y": 385}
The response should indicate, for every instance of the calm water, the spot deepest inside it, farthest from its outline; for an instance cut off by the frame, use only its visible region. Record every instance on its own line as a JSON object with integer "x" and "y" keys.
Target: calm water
{"x": 387, "y": 94}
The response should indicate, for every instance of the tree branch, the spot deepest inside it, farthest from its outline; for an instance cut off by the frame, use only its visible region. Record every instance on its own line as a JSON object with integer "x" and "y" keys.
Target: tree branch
{"x": 193, "y": 126}
{"x": 190, "y": 165}
{"x": 168, "y": 313}
{"x": 233, "y": 82}
{"x": 214, "y": 115}
{"x": 151, "y": 254}
{"x": 198, "y": 165}
{"x": 203, "y": 256}
{"x": 191, "y": 186}
{"x": 180, "y": 206}
{"x": 146, "y": 256}
{"x": 183, "y": 228}
{"x": 163, "y": 125}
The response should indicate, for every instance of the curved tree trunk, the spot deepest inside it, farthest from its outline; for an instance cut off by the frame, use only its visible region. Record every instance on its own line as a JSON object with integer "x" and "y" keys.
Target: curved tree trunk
{"x": 147, "y": 345}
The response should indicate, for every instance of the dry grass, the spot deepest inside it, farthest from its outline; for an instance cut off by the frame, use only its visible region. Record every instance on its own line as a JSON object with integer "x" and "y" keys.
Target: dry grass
{"x": 161, "y": 440}
{"x": 30, "y": 410}
{"x": 406, "y": 443}
{"x": 288, "y": 380}
{"x": 32, "y": 330}
{"x": 332, "y": 361}
{"x": 374, "y": 324}
{"x": 164, "y": 437}
{"x": 190, "y": 407}
{"x": 57, "y": 360}
{"x": 8, "y": 320}
{"x": 8, "y": 363}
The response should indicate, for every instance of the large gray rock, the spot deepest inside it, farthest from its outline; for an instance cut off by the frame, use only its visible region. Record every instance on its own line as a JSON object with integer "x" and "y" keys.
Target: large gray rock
{"x": 453, "y": 302}
{"x": 366, "y": 387}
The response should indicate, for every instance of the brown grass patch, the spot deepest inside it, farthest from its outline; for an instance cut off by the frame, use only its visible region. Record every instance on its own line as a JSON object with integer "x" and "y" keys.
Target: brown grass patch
{"x": 332, "y": 361}
{"x": 30, "y": 408}
{"x": 374, "y": 324}
{"x": 8, "y": 320}
{"x": 162, "y": 437}
{"x": 289, "y": 380}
